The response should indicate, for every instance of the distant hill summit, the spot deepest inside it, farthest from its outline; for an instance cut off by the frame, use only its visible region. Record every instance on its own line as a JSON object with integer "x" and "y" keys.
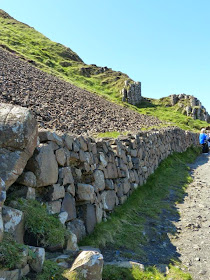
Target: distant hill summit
{"x": 60, "y": 60}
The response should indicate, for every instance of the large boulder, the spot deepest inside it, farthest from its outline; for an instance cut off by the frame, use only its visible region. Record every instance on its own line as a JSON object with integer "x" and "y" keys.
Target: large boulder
{"x": 88, "y": 265}
{"x": 18, "y": 139}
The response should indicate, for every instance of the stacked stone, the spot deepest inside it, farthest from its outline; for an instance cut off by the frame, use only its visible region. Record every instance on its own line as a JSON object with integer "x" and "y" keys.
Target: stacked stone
{"x": 131, "y": 93}
{"x": 83, "y": 180}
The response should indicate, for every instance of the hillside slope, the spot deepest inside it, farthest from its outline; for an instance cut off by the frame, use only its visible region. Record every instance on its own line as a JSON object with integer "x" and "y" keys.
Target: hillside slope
{"x": 53, "y": 58}
{"x": 59, "y": 60}
{"x": 60, "y": 105}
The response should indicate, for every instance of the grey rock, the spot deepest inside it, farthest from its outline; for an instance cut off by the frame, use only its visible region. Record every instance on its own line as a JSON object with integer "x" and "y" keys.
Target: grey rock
{"x": 18, "y": 139}
{"x": 68, "y": 205}
{"x": 77, "y": 226}
{"x": 87, "y": 213}
{"x": 27, "y": 179}
{"x": 85, "y": 192}
{"x": 13, "y": 222}
{"x": 44, "y": 165}
{"x": 37, "y": 262}
{"x": 89, "y": 264}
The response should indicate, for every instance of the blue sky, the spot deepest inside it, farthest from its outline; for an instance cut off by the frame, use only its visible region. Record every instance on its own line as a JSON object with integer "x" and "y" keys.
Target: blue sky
{"x": 164, "y": 44}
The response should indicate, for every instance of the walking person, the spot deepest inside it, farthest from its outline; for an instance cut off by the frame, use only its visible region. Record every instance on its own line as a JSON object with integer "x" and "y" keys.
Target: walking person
{"x": 203, "y": 141}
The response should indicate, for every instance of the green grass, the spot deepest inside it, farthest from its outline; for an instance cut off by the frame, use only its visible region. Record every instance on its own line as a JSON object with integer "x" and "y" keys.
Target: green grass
{"x": 46, "y": 228}
{"x": 50, "y": 271}
{"x": 10, "y": 252}
{"x": 110, "y": 134}
{"x": 169, "y": 114}
{"x": 151, "y": 273}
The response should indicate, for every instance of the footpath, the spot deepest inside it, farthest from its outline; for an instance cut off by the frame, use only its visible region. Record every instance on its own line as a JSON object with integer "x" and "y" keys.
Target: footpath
{"x": 192, "y": 240}
{"x": 182, "y": 234}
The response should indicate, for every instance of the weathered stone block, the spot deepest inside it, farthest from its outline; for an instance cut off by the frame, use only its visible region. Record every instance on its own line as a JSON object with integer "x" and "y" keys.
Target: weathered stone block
{"x": 71, "y": 244}
{"x": 13, "y": 222}
{"x": 44, "y": 165}
{"x": 89, "y": 264}
{"x": 55, "y": 192}
{"x": 27, "y": 179}
{"x": 65, "y": 176}
{"x": 68, "y": 205}
{"x": 37, "y": 262}
{"x": 108, "y": 200}
{"x": 87, "y": 213}
{"x": 99, "y": 180}
{"x": 85, "y": 192}
{"x": 60, "y": 156}
{"x": 46, "y": 135}
{"x": 54, "y": 207}
{"x": 111, "y": 171}
{"x": 18, "y": 139}
{"x": 77, "y": 226}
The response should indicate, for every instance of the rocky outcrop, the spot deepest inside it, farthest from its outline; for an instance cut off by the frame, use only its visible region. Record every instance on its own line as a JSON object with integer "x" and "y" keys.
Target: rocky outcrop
{"x": 131, "y": 92}
{"x": 190, "y": 106}
{"x": 58, "y": 105}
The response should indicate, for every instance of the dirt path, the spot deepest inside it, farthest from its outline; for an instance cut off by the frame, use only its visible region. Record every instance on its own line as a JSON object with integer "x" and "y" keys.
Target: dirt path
{"x": 192, "y": 241}
{"x": 182, "y": 234}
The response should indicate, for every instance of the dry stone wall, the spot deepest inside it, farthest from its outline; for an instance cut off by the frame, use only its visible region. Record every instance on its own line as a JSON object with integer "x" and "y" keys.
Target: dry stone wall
{"x": 84, "y": 179}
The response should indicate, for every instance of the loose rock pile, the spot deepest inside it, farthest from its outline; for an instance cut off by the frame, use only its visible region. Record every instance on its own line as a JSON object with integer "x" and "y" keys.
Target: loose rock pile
{"x": 61, "y": 106}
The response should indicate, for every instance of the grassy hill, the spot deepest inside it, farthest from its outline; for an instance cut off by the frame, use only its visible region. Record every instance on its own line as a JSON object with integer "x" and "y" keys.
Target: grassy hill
{"x": 57, "y": 59}
{"x": 61, "y": 61}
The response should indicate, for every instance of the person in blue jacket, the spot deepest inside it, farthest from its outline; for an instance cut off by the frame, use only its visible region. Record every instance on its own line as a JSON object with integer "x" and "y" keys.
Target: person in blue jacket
{"x": 203, "y": 141}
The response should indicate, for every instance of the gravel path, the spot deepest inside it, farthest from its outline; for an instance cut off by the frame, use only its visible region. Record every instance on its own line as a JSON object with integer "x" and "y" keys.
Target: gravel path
{"x": 193, "y": 239}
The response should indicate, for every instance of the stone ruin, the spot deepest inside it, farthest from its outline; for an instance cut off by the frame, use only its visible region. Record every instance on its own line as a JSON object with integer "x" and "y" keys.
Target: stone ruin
{"x": 192, "y": 107}
{"x": 131, "y": 92}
